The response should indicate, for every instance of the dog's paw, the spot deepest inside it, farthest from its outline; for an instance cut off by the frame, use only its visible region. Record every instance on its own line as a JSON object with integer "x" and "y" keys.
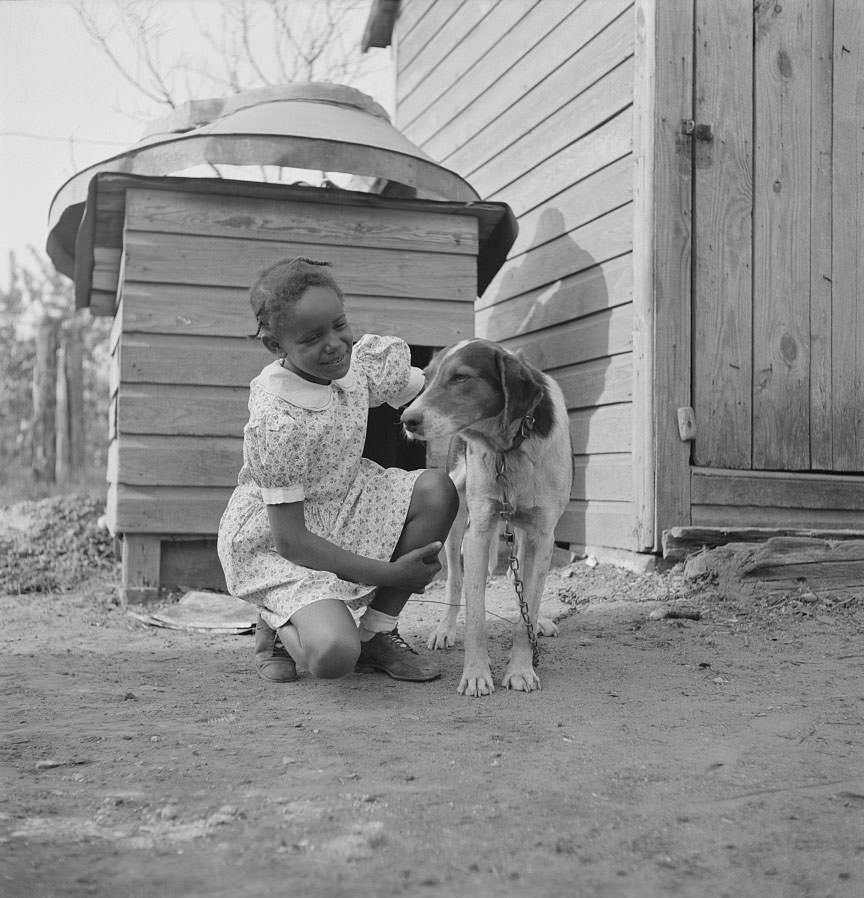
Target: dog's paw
{"x": 476, "y": 681}
{"x": 546, "y": 627}
{"x": 441, "y": 638}
{"x": 521, "y": 680}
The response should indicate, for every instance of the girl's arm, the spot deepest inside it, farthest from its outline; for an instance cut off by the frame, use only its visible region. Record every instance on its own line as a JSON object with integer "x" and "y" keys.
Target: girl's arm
{"x": 294, "y": 542}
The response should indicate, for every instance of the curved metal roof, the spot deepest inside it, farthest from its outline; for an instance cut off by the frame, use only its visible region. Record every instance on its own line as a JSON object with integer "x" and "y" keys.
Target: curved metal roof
{"x": 317, "y": 126}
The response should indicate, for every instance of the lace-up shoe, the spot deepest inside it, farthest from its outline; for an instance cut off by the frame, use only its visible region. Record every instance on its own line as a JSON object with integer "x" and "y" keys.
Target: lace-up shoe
{"x": 388, "y": 652}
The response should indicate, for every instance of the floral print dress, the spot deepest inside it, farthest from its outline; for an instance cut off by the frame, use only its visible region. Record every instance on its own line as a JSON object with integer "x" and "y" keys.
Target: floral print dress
{"x": 303, "y": 442}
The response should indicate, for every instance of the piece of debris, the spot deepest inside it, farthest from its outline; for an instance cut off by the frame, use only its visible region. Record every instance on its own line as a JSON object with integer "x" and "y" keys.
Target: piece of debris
{"x": 202, "y": 612}
{"x": 667, "y": 613}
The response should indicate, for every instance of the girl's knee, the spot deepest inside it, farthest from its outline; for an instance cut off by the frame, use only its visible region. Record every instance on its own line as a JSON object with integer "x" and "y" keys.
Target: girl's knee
{"x": 332, "y": 655}
{"x": 437, "y": 493}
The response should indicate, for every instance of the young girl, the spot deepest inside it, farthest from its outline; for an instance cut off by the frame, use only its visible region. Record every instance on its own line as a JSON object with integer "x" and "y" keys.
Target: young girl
{"x": 313, "y": 529}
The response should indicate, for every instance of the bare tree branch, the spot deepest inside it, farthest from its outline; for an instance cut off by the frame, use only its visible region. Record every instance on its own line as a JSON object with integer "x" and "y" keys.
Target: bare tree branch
{"x": 252, "y": 43}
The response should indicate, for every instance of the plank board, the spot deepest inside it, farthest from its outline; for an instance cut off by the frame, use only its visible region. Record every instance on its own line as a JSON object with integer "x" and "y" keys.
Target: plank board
{"x": 597, "y": 524}
{"x": 494, "y": 77}
{"x": 602, "y": 239}
{"x": 777, "y": 490}
{"x": 599, "y": 382}
{"x": 847, "y": 324}
{"x": 598, "y": 287}
{"x": 781, "y": 254}
{"x": 192, "y": 409}
{"x": 446, "y": 54}
{"x": 603, "y": 334}
{"x": 609, "y": 188}
{"x": 722, "y": 241}
{"x": 603, "y": 477}
{"x": 178, "y": 359}
{"x": 420, "y": 32}
{"x": 780, "y": 518}
{"x": 550, "y": 106}
{"x": 668, "y": 307}
{"x": 821, "y": 238}
{"x": 150, "y": 460}
{"x": 321, "y": 225}
{"x": 224, "y": 311}
{"x": 529, "y": 173}
{"x": 608, "y": 428}
{"x": 168, "y": 509}
{"x": 227, "y": 262}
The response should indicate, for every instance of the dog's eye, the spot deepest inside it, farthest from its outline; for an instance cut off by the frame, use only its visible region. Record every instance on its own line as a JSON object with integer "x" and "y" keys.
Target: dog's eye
{"x": 459, "y": 378}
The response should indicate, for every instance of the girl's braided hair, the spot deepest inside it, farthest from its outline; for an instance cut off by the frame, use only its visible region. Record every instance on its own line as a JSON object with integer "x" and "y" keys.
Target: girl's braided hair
{"x": 278, "y": 287}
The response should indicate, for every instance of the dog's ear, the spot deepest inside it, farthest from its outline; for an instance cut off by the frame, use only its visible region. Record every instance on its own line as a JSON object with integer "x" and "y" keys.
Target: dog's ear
{"x": 522, "y": 391}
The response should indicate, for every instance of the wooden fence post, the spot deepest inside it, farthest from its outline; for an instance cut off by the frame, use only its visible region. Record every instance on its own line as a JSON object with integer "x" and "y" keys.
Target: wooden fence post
{"x": 70, "y": 403}
{"x": 44, "y": 458}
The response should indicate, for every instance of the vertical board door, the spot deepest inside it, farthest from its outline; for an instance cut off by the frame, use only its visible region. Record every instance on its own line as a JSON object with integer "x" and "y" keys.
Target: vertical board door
{"x": 778, "y": 248}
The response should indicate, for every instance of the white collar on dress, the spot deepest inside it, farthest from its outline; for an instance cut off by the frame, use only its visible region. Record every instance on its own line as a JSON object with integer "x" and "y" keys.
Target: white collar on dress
{"x": 287, "y": 385}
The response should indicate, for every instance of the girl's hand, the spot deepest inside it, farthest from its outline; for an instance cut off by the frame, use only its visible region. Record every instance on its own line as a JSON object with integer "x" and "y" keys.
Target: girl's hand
{"x": 415, "y": 569}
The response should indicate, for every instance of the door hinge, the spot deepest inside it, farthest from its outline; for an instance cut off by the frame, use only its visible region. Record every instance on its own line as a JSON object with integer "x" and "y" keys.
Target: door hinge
{"x": 686, "y": 423}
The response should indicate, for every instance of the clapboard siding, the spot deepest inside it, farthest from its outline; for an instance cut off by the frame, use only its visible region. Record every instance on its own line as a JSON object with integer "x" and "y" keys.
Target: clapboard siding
{"x": 150, "y": 459}
{"x": 198, "y": 310}
{"x": 560, "y": 114}
{"x": 532, "y": 103}
{"x": 324, "y": 225}
{"x": 190, "y": 409}
{"x": 179, "y": 359}
{"x": 454, "y": 32}
{"x": 602, "y": 239}
{"x": 175, "y": 510}
{"x": 224, "y": 261}
{"x": 589, "y": 290}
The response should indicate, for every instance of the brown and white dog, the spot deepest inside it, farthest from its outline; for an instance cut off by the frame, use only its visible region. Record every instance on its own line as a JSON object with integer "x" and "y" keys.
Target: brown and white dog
{"x": 513, "y": 421}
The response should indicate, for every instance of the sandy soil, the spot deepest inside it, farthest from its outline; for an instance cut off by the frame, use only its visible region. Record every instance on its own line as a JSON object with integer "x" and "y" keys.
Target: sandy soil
{"x": 663, "y": 757}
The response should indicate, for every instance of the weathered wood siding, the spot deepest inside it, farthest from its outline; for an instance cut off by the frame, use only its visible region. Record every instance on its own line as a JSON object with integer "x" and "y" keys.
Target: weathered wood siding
{"x": 778, "y": 338}
{"x": 779, "y": 236}
{"x": 181, "y": 357}
{"x": 531, "y": 102}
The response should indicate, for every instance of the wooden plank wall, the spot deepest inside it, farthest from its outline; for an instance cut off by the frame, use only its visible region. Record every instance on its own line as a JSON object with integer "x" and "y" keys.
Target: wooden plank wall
{"x": 532, "y": 103}
{"x": 181, "y": 357}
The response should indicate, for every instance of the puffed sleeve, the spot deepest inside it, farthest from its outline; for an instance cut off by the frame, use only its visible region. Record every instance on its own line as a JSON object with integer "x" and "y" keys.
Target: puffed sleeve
{"x": 386, "y": 361}
{"x": 274, "y": 452}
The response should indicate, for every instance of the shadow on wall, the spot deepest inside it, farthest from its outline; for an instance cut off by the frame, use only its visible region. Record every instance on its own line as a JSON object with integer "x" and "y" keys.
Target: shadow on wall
{"x": 553, "y": 306}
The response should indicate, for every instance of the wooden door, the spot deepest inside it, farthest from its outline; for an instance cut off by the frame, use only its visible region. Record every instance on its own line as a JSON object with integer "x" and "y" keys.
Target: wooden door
{"x": 778, "y": 236}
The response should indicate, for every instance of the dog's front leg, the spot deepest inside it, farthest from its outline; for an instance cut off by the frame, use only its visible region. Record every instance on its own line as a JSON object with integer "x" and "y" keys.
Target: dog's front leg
{"x": 536, "y": 556}
{"x": 477, "y": 672}
{"x": 444, "y": 635}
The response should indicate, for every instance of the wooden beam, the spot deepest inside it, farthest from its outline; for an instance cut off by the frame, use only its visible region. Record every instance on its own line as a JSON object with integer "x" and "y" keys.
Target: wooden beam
{"x": 140, "y": 571}
{"x": 379, "y": 25}
{"x": 680, "y": 542}
{"x": 664, "y": 270}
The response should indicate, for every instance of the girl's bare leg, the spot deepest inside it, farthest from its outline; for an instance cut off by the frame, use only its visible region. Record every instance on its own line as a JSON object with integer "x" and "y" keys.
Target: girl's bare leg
{"x": 433, "y": 507}
{"x": 322, "y": 638}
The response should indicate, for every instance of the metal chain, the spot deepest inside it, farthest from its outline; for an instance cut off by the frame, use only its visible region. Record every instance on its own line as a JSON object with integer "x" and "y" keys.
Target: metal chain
{"x": 513, "y": 562}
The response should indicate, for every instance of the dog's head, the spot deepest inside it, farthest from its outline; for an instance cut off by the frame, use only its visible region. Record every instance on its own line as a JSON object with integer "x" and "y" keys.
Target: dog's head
{"x": 475, "y": 386}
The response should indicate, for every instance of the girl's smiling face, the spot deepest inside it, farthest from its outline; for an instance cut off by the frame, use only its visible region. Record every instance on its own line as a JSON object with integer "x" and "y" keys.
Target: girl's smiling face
{"x": 317, "y": 342}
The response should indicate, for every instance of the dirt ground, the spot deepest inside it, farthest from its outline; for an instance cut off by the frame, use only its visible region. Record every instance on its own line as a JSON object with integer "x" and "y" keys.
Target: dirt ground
{"x": 663, "y": 757}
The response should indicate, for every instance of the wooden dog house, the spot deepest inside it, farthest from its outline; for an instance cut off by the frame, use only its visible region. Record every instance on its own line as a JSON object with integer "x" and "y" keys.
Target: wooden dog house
{"x": 171, "y": 258}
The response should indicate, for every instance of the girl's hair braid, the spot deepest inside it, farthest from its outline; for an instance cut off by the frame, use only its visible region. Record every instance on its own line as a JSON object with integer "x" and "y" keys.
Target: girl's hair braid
{"x": 278, "y": 287}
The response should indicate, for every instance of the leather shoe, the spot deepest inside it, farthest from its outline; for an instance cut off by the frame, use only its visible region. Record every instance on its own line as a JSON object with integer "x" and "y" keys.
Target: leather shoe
{"x": 272, "y": 662}
{"x": 388, "y": 652}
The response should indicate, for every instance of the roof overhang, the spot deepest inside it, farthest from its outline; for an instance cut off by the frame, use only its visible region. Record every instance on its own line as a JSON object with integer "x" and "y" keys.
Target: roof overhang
{"x": 314, "y": 126}
{"x": 73, "y": 239}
